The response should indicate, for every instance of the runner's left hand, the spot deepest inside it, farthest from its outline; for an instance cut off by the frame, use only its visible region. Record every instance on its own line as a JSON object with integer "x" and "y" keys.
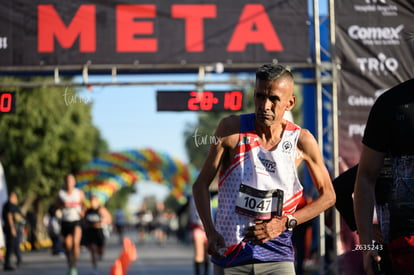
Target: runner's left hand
{"x": 265, "y": 230}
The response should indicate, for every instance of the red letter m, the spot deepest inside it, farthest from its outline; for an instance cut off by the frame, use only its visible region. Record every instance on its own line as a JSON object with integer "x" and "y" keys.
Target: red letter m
{"x": 50, "y": 26}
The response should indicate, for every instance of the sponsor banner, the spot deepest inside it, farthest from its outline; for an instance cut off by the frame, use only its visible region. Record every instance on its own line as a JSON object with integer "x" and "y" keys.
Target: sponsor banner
{"x": 375, "y": 53}
{"x": 52, "y": 32}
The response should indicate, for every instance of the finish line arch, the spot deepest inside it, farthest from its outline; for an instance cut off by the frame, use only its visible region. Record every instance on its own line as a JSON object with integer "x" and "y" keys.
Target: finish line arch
{"x": 112, "y": 171}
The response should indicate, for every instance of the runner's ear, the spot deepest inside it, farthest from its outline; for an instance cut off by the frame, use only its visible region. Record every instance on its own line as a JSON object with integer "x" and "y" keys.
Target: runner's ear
{"x": 291, "y": 103}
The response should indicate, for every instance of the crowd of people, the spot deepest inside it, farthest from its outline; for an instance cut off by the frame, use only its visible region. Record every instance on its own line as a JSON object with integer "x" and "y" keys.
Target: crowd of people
{"x": 74, "y": 221}
{"x": 155, "y": 224}
{"x": 70, "y": 223}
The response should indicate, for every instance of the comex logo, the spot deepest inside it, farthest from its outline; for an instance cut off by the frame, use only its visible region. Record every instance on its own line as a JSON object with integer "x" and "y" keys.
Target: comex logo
{"x": 378, "y": 65}
{"x": 376, "y": 35}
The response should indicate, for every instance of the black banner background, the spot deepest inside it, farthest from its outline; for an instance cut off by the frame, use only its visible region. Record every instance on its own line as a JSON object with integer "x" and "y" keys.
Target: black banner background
{"x": 19, "y": 33}
{"x": 375, "y": 54}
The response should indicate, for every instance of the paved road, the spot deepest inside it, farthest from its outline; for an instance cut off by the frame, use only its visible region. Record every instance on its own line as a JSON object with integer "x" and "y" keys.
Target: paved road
{"x": 172, "y": 259}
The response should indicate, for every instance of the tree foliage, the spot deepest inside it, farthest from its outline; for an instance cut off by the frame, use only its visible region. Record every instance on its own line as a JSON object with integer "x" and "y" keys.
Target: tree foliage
{"x": 120, "y": 198}
{"x": 48, "y": 137}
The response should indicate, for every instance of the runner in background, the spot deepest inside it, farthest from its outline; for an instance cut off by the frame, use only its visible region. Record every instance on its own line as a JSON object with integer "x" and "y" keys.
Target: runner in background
{"x": 160, "y": 223}
{"x": 120, "y": 223}
{"x": 201, "y": 257}
{"x": 145, "y": 219}
{"x": 96, "y": 218}
{"x": 71, "y": 201}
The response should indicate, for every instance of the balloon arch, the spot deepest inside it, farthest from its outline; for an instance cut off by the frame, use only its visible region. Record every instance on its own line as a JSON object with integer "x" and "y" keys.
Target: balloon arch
{"x": 112, "y": 171}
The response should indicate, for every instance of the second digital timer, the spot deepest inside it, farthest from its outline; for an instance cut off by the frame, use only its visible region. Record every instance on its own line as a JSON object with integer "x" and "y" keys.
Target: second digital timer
{"x": 199, "y": 101}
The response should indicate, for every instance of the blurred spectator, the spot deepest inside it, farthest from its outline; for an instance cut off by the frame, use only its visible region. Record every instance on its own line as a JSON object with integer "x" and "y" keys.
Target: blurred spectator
{"x": 120, "y": 223}
{"x": 201, "y": 257}
{"x": 14, "y": 222}
{"x": 53, "y": 229}
{"x": 32, "y": 233}
{"x": 3, "y": 200}
{"x": 144, "y": 225}
{"x": 160, "y": 224}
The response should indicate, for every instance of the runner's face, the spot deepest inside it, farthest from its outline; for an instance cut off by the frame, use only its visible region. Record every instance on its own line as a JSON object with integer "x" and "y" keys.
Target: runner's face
{"x": 272, "y": 99}
{"x": 13, "y": 198}
{"x": 94, "y": 202}
{"x": 70, "y": 182}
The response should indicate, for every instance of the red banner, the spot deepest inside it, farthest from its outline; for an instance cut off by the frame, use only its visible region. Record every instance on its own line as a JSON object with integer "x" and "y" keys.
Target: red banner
{"x": 52, "y": 32}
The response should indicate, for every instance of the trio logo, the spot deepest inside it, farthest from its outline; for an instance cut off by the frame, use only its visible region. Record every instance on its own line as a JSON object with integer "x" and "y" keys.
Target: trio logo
{"x": 380, "y": 65}
{"x": 376, "y": 35}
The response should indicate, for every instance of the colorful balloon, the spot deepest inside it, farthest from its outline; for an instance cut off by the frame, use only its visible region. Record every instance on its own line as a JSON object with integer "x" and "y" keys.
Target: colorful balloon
{"x": 109, "y": 173}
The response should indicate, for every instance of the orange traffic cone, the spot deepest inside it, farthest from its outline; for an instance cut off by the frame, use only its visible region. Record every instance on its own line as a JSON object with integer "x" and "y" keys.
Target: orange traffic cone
{"x": 130, "y": 249}
{"x": 133, "y": 252}
{"x": 117, "y": 268}
{"x": 126, "y": 242}
{"x": 125, "y": 262}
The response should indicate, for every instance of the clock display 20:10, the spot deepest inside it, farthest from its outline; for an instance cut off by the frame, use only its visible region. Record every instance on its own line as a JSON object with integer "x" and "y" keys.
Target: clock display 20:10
{"x": 207, "y": 100}
{"x": 200, "y": 100}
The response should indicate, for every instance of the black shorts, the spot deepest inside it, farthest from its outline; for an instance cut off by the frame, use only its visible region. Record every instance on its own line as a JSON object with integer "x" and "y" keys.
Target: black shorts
{"x": 68, "y": 228}
{"x": 94, "y": 236}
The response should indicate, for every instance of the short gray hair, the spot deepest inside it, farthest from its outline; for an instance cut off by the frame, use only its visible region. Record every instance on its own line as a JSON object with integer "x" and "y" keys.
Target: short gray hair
{"x": 271, "y": 71}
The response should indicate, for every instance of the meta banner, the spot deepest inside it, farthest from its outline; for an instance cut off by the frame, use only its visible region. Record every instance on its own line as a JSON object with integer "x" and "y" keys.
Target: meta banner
{"x": 52, "y": 32}
{"x": 375, "y": 47}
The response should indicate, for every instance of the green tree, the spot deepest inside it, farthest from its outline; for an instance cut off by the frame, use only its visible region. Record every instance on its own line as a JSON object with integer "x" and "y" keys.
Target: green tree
{"x": 50, "y": 135}
{"x": 120, "y": 198}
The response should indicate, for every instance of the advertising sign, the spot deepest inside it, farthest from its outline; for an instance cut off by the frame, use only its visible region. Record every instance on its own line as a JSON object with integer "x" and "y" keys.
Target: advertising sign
{"x": 175, "y": 32}
{"x": 375, "y": 53}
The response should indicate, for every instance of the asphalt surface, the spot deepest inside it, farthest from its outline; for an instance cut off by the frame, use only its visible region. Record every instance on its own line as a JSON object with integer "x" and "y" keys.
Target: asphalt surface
{"x": 172, "y": 258}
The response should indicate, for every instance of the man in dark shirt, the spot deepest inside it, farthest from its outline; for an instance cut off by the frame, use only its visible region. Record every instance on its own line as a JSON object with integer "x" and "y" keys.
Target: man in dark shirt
{"x": 389, "y": 131}
{"x": 13, "y": 219}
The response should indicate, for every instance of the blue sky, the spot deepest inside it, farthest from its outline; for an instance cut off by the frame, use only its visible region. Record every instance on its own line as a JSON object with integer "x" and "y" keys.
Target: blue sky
{"x": 127, "y": 115}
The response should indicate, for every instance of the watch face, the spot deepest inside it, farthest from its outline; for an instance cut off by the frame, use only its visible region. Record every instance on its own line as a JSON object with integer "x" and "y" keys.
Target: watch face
{"x": 292, "y": 223}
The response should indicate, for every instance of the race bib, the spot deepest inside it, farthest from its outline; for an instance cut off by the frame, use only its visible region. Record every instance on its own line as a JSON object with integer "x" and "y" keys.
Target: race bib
{"x": 259, "y": 204}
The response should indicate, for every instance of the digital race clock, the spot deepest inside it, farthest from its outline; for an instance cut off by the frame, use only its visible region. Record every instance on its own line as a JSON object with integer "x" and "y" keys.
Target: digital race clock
{"x": 7, "y": 102}
{"x": 199, "y": 101}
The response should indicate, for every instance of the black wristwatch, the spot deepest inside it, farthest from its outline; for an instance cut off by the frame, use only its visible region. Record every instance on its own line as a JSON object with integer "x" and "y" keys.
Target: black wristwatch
{"x": 291, "y": 222}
